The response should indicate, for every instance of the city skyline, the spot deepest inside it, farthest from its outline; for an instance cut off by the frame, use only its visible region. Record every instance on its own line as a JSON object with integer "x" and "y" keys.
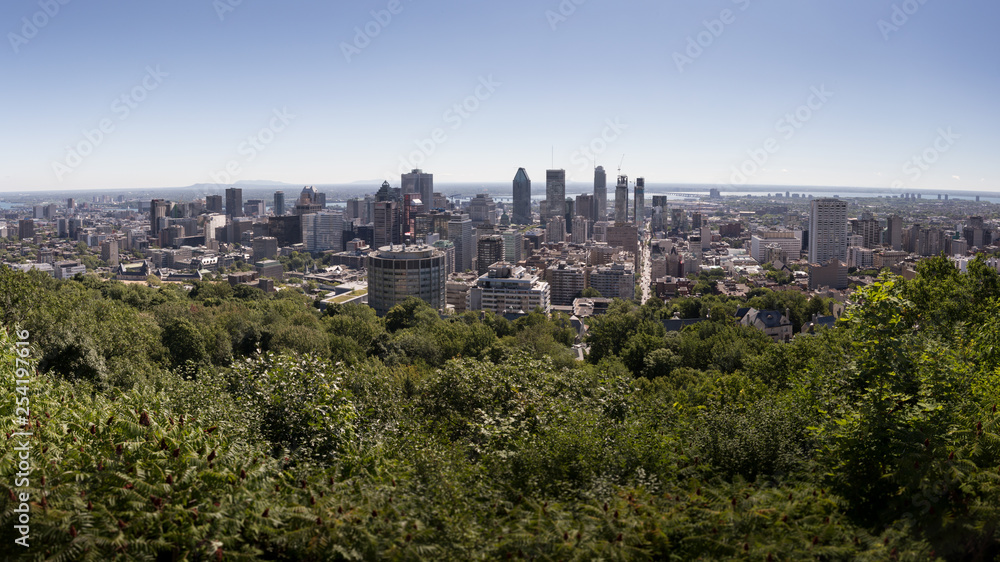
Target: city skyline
{"x": 727, "y": 92}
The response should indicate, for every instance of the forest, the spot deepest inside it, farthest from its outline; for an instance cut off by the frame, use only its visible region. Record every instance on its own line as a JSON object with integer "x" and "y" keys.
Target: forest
{"x": 225, "y": 423}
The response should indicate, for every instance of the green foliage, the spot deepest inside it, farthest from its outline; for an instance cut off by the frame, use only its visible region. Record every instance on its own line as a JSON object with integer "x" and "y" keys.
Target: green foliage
{"x": 341, "y": 435}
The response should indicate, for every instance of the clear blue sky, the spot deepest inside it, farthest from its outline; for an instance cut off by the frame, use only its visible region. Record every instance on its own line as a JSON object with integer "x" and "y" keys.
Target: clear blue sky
{"x": 555, "y": 81}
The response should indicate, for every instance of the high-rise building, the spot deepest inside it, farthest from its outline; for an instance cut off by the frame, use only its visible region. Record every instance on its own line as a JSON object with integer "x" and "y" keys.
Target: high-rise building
{"x": 323, "y": 231}
{"x": 70, "y": 204}
{"x": 621, "y": 200}
{"x": 507, "y": 288}
{"x": 395, "y": 274}
{"x": 827, "y": 230}
{"x": 26, "y": 229}
{"x": 213, "y": 203}
{"x": 448, "y": 247}
{"x": 522, "y": 198}
{"x": 787, "y": 240}
{"x": 253, "y": 207}
{"x": 614, "y": 281}
{"x": 462, "y": 233}
{"x": 489, "y": 250}
{"x": 279, "y": 203}
{"x": 600, "y": 194}
{"x": 555, "y": 229}
{"x": 422, "y": 184}
{"x": 309, "y": 201}
{"x": 895, "y": 232}
{"x": 109, "y": 252}
{"x": 482, "y": 209}
{"x": 639, "y": 214}
{"x": 386, "y": 224}
{"x": 513, "y": 243}
{"x": 234, "y": 202}
{"x": 579, "y": 230}
{"x": 555, "y": 193}
{"x": 158, "y": 209}
{"x": 566, "y": 283}
{"x": 265, "y": 248}
{"x": 586, "y": 206}
{"x": 870, "y": 230}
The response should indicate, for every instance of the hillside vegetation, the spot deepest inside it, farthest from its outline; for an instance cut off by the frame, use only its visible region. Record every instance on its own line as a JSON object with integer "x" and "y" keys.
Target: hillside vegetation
{"x": 226, "y": 423}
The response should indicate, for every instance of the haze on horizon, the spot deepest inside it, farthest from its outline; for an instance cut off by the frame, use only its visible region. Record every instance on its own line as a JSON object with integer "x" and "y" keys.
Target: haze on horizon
{"x": 858, "y": 93}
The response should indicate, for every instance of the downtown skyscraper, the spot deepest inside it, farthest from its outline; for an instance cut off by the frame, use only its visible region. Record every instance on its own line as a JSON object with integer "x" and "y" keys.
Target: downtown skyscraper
{"x": 234, "y": 202}
{"x": 279, "y": 203}
{"x": 423, "y": 184}
{"x": 522, "y": 198}
{"x": 639, "y": 212}
{"x": 621, "y": 200}
{"x": 601, "y": 193}
{"x": 555, "y": 193}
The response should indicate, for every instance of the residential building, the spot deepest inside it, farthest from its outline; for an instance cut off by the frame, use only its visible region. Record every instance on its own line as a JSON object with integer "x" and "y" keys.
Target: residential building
{"x": 616, "y": 280}
{"x": 489, "y": 250}
{"x": 566, "y": 283}
{"x": 773, "y": 323}
{"x": 507, "y": 288}
{"x": 827, "y": 230}
{"x": 788, "y": 240}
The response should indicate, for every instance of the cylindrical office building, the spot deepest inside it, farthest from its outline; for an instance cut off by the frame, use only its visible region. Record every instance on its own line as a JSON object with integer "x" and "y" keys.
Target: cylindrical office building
{"x": 398, "y": 272}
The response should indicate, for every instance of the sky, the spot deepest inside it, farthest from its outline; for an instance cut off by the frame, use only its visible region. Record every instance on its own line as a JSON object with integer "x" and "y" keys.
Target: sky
{"x": 159, "y": 93}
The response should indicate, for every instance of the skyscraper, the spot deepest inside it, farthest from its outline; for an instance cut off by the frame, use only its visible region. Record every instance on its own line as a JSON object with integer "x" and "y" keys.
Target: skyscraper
{"x": 522, "y": 198}
{"x": 586, "y": 206}
{"x": 386, "y": 224}
{"x": 639, "y": 214}
{"x": 279, "y": 203}
{"x": 895, "y": 227}
{"x": 621, "y": 200}
{"x": 422, "y": 184}
{"x": 489, "y": 250}
{"x": 870, "y": 230}
{"x": 555, "y": 192}
{"x": 601, "y": 193}
{"x": 827, "y": 230}
{"x": 323, "y": 231}
{"x": 234, "y": 202}
{"x": 213, "y": 203}
{"x": 158, "y": 209}
{"x": 462, "y": 233}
